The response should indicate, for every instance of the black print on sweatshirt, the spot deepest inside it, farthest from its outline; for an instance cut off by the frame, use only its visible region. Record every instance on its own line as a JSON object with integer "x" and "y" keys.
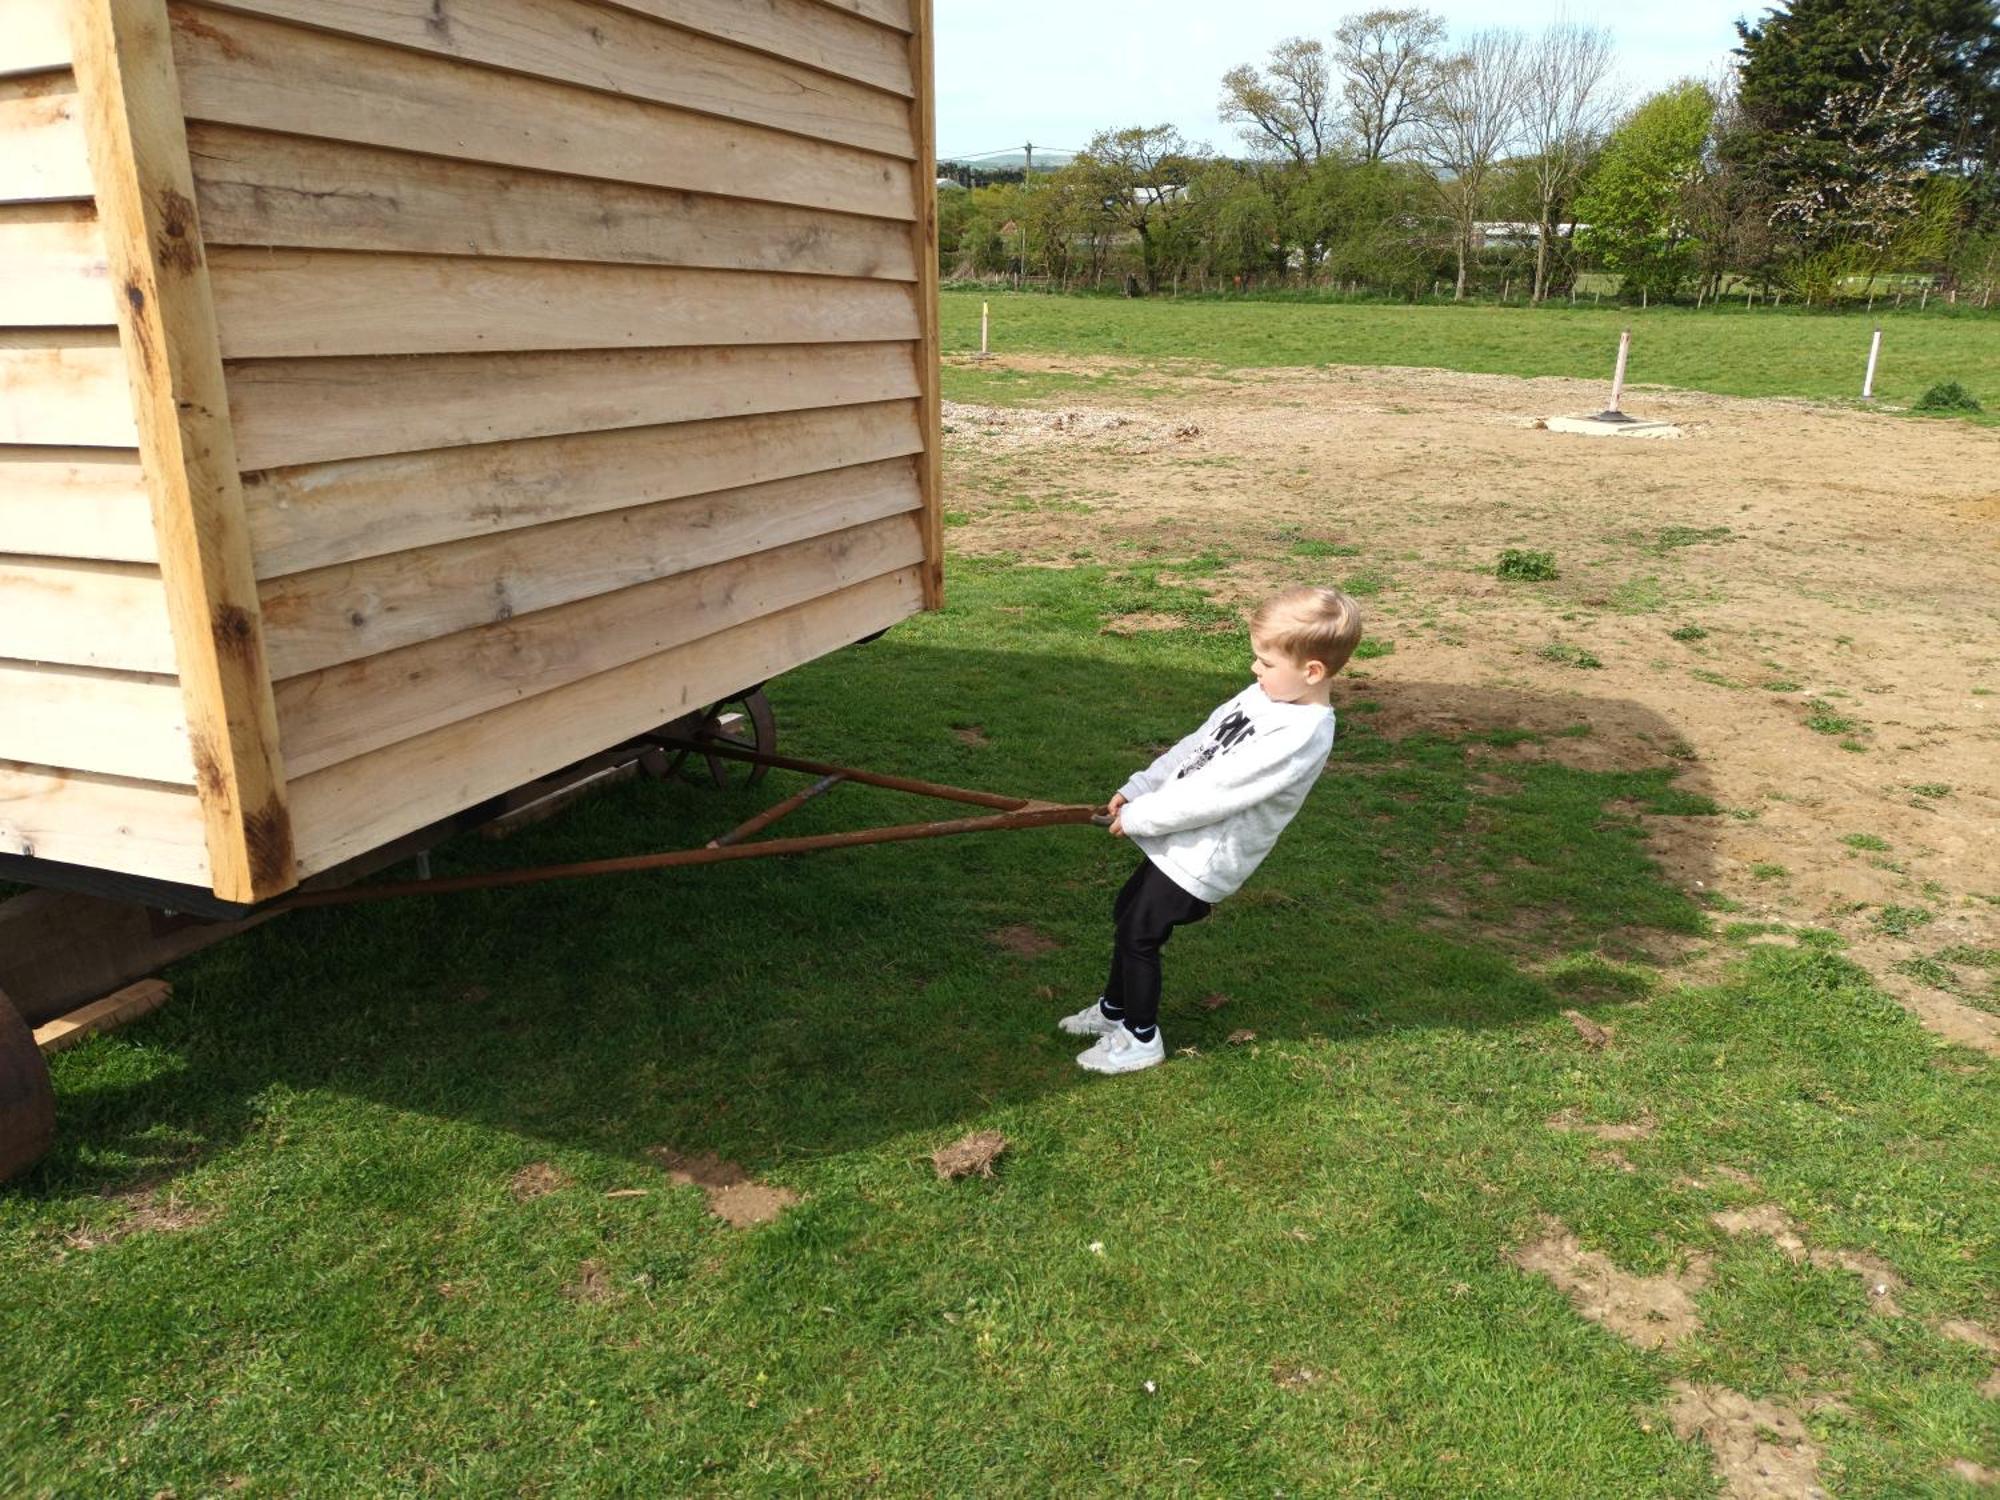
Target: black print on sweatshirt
{"x": 1230, "y": 733}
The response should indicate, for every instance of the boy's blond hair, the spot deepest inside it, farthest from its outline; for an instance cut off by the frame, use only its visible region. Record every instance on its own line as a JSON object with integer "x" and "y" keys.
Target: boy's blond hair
{"x": 1310, "y": 624}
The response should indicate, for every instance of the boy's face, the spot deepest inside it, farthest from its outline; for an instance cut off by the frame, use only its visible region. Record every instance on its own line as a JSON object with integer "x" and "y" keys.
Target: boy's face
{"x": 1282, "y": 679}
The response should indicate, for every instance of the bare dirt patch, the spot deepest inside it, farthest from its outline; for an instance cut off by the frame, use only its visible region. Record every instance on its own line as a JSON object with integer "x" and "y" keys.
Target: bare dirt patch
{"x": 1797, "y": 603}
{"x": 1653, "y": 1312}
{"x": 1772, "y": 1222}
{"x": 734, "y": 1196}
{"x": 1974, "y": 1473}
{"x": 1294, "y": 1377}
{"x": 969, "y": 1155}
{"x": 141, "y": 1210}
{"x": 591, "y": 1284}
{"x": 1593, "y": 1036}
{"x": 537, "y": 1180}
{"x": 1641, "y": 1129}
{"x": 1762, "y": 1450}
{"x": 971, "y": 734}
{"x": 1023, "y": 941}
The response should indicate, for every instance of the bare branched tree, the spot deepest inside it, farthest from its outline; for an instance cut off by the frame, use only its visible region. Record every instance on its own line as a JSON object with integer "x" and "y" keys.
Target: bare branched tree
{"x": 1567, "y": 108}
{"x": 1472, "y": 119}
{"x": 1387, "y": 62}
{"x": 1286, "y": 108}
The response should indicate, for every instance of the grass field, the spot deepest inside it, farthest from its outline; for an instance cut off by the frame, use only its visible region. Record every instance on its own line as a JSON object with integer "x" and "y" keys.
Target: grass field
{"x": 1730, "y": 351}
{"x": 283, "y": 1246}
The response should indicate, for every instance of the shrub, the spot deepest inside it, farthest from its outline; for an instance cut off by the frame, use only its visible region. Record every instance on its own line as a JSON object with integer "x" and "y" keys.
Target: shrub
{"x": 1948, "y": 395}
{"x": 1518, "y": 566}
{"x": 1568, "y": 656}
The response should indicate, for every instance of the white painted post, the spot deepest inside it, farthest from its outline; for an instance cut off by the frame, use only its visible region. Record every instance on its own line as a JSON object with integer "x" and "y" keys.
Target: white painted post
{"x": 1874, "y": 354}
{"x": 1613, "y": 412}
{"x": 985, "y": 327}
{"x": 1927, "y": 300}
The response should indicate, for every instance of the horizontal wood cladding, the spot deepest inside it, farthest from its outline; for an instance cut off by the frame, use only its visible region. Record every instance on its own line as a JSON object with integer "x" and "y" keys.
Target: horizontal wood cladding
{"x": 806, "y": 31}
{"x": 363, "y": 803}
{"x": 75, "y": 502}
{"x": 340, "y": 614}
{"x": 86, "y": 614}
{"x": 66, "y": 387}
{"x": 241, "y": 70}
{"x": 118, "y": 724}
{"x": 53, "y": 271}
{"x": 110, "y": 823}
{"x": 345, "y": 513}
{"x": 34, "y": 36}
{"x": 334, "y": 715}
{"x": 293, "y": 412}
{"x": 42, "y": 149}
{"x": 621, "y": 52}
{"x": 257, "y": 188}
{"x": 280, "y": 303}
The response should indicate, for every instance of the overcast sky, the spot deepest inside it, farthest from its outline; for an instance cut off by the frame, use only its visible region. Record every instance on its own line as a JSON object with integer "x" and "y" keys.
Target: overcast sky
{"x": 1055, "y": 71}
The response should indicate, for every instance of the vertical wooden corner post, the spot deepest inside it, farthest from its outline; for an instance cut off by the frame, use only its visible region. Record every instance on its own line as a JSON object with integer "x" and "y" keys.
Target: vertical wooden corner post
{"x": 923, "y": 109}
{"x": 166, "y": 323}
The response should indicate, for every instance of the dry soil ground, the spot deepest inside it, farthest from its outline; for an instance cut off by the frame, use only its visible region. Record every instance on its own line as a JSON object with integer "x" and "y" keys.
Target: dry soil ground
{"x": 1842, "y": 700}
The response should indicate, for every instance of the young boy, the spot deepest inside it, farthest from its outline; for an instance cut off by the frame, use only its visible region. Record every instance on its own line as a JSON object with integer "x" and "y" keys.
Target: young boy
{"x": 1207, "y": 812}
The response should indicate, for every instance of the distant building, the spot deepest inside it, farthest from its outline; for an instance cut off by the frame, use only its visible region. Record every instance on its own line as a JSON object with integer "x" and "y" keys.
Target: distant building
{"x": 1505, "y": 236}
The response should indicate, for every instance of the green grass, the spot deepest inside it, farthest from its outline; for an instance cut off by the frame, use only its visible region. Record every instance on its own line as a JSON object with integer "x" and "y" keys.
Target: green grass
{"x": 1728, "y": 351}
{"x": 1521, "y": 565}
{"x": 362, "y": 1307}
{"x": 1565, "y": 655}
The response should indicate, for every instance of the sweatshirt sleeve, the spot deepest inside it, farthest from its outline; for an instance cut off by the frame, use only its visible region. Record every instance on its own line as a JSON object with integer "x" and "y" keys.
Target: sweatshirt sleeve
{"x": 1264, "y": 766}
{"x": 1155, "y": 776}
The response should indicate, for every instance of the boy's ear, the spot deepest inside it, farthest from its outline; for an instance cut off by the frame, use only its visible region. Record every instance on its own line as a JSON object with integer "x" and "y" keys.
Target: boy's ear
{"x": 1316, "y": 672}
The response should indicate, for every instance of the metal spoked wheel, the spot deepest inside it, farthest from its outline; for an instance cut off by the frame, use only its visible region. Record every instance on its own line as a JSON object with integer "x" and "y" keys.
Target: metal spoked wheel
{"x": 27, "y": 1098}
{"x": 745, "y": 720}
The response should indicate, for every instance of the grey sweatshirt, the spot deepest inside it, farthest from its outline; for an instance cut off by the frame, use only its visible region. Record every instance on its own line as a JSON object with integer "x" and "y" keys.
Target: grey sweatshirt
{"x": 1209, "y": 810}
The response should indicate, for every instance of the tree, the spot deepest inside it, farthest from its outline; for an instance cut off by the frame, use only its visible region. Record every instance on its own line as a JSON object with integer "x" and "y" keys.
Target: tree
{"x": 1387, "y": 62}
{"x": 1140, "y": 175}
{"x": 1566, "y": 110}
{"x": 1284, "y": 109}
{"x": 1636, "y": 205}
{"x": 1473, "y": 116}
{"x": 1943, "y": 56}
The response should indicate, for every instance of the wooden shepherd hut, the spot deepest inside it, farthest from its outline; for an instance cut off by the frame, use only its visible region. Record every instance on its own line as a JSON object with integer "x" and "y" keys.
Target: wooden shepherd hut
{"x": 402, "y": 399}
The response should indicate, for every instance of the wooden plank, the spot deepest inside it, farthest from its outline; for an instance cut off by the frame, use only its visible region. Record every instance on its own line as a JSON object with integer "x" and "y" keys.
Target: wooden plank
{"x": 37, "y": 36}
{"x": 85, "y": 614}
{"x": 240, "y": 70}
{"x": 256, "y": 188}
{"x": 338, "y": 513}
{"x": 116, "y": 723}
{"x": 291, "y": 412}
{"x": 145, "y": 199}
{"x": 894, "y": 13}
{"x": 923, "y": 110}
{"x": 100, "y": 1016}
{"x": 803, "y": 30}
{"x": 364, "y": 802}
{"x": 346, "y": 711}
{"x": 619, "y": 52}
{"x": 65, "y": 386}
{"x": 75, "y": 502}
{"x": 105, "y": 822}
{"x": 42, "y": 149}
{"x": 355, "y": 610}
{"x": 52, "y": 267}
{"x": 292, "y": 303}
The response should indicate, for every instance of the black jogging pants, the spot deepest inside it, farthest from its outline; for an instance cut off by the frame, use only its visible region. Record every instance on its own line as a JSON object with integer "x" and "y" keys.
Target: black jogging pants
{"x": 1145, "y": 915}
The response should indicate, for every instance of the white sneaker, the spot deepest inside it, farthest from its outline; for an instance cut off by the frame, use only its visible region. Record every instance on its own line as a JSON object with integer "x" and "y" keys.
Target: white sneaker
{"x": 1090, "y": 1021}
{"x": 1118, "y": 1051}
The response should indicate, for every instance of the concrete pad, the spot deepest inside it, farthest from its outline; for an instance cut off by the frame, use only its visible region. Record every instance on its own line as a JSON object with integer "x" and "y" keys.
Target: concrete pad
{"x": 1592, "y": 427}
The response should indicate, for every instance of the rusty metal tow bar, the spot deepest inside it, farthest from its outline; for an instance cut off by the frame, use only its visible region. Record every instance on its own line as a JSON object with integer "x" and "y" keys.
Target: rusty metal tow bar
{"x": 1007, "y": 814}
